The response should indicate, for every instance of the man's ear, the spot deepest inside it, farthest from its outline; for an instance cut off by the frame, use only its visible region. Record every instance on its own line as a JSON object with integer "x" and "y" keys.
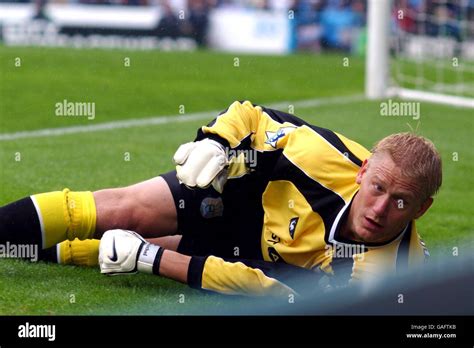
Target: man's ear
{"x": 362, "y": 171}
{"x": 424, "y": 207}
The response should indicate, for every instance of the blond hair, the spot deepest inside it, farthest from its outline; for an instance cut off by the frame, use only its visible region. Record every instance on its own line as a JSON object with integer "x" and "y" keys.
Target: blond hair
{"x": 416, "y": 157}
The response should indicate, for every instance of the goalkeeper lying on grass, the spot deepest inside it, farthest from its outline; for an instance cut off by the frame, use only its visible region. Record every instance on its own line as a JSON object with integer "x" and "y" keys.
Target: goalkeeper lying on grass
{"x": 258, "y": 201}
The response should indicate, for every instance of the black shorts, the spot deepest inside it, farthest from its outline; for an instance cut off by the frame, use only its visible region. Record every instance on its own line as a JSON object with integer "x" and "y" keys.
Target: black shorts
{"x": 227, "y": 225}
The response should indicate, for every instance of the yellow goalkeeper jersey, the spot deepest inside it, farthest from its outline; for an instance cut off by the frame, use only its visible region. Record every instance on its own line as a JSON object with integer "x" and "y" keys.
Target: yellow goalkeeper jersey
{"x": 310, "y": 180}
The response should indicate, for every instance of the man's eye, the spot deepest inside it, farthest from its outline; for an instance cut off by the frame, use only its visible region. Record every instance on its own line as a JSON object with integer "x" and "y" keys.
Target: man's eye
{"x": 377, "y": 187}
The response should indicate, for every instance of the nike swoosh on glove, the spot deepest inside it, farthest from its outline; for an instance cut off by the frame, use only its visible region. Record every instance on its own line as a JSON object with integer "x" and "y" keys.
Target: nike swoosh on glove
{"x": 119, "y": 251}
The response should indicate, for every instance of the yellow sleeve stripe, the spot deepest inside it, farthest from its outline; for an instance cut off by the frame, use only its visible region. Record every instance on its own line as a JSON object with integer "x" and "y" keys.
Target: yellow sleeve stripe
{"x": 235, "y": 278}
{"x": 330, "y": 168}
{"x": 324, "y": 143}
{"x": 358, "y": 150}
{"x": 237, "y": 123}
{"x": 243, "y": 120}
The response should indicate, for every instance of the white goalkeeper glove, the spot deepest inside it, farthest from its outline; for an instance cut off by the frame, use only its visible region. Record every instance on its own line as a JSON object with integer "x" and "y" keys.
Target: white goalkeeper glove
{"x": 201, "y": 164}
{"x": 126, "y": 252}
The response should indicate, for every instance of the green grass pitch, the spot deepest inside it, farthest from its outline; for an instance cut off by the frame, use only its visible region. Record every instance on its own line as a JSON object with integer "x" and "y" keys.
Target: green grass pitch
{"x": 158, "y": 83}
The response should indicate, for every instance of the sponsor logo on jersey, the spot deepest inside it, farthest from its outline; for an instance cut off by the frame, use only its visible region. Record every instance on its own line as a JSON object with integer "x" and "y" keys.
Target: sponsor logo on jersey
{"x": 212, "y": 207}
{"x": 274, "y": 239}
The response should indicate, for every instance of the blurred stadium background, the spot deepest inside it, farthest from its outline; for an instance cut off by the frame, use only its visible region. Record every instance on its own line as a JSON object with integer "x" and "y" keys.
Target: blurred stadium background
{"x": 271, "y": 26}
{"x": 157, "y": 70}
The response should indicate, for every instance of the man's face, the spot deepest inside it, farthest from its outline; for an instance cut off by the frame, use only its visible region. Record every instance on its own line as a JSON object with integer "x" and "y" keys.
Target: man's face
{"x": 385, "y": 203}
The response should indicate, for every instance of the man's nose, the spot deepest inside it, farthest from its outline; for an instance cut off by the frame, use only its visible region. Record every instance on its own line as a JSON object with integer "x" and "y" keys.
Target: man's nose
{"x": 381, "y": 205}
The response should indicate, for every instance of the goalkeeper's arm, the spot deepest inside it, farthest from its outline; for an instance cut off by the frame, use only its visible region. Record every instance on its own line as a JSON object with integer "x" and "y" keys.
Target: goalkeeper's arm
{"x": 243, "y": 127}
{"x": 124, "y": 252}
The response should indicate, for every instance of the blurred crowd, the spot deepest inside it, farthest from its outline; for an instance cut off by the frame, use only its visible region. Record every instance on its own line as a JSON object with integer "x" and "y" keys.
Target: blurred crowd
{"x": 329, "y": 24}
{"x": 316, "y": 24}
{"x": 454, "y": 18}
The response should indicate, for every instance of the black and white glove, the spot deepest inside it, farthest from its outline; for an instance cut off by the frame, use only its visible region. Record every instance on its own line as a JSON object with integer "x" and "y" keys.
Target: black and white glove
{"x": 126, "y": 252}
{"x": 202, "y": 163}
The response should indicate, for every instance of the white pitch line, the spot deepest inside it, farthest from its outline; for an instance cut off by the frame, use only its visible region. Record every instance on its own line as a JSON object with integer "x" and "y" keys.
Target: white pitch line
{"x": 157, "y": 120}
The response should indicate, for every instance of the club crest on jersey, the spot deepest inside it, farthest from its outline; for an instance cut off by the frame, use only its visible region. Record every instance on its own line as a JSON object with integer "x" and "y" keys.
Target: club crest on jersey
{"x": 273, "y": 137}
{"x": 292, "y": 226}
{"x": 212, "y": 207}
